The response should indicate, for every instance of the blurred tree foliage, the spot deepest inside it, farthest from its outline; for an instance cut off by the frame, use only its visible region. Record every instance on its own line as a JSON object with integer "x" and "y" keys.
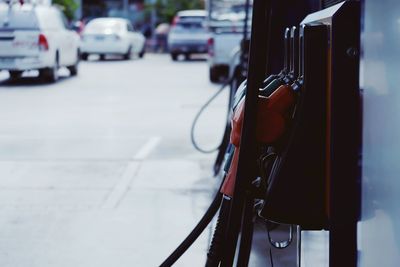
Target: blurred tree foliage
{"x": 166, "y": 9}
{"x": 94, "y": 8}
{"x": 68, "y": 7}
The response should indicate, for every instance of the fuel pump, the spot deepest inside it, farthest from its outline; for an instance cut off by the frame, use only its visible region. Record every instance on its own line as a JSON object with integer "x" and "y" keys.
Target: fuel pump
{"x": 271, "y": 124}
{"x": 294, "y": 141}
{"x": 308, "y": 132}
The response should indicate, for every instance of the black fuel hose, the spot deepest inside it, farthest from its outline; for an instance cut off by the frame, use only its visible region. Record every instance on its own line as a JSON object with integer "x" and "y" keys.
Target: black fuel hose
{"x": 215, "y": 251}
{"x": 197, "y": 230}
{"x": 196, "y": 118}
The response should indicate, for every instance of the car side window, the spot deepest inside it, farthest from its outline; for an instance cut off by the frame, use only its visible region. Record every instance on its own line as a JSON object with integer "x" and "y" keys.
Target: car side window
{"x": 130, "y": 27}
{"x": 50, "y": 19}
{"x": 58, "y": 22}
{"x": 64, "y": 20}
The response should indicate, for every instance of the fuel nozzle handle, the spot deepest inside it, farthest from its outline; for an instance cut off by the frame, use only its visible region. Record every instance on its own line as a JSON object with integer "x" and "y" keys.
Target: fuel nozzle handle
{"x": 286, "y": 54}
{"x": 272, "y": 83}
{"x": 298, "y": 83}
{"x": 294, "y": 59}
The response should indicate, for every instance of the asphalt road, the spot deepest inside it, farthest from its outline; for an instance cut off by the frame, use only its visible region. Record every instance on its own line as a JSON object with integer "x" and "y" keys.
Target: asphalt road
{"x": 98, "y": 170}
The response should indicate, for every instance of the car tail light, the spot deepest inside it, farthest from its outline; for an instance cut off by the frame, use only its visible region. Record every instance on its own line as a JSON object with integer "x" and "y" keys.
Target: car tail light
{"x": 43, "y": 44}
{"x": 210, "y": 46}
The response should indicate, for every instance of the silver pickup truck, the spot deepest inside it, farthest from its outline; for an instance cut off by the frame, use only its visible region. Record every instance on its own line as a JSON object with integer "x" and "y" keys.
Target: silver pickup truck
{"x": 226, "y": 27}
{"x": 221, "y": 45}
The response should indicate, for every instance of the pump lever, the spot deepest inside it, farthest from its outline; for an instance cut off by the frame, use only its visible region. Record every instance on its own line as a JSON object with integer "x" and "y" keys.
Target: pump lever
{"x": 294, "y": 64}
{"x": 274, "y": 81}
{"x": 286, "y": 55}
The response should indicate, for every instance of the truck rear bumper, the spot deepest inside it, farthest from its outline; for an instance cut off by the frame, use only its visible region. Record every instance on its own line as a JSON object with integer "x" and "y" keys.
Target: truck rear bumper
{"x": 188, "y": 48}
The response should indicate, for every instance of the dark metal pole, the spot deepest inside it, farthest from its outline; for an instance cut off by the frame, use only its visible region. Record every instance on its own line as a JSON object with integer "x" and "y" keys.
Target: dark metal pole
{"x": 246, "y": 171}
{"x": 245, "y": 29}
{"x": 346, "y": 136}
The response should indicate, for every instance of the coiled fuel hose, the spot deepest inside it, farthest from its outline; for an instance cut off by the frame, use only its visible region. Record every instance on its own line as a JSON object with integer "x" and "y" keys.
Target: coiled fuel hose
{"x": 199, "y": 113}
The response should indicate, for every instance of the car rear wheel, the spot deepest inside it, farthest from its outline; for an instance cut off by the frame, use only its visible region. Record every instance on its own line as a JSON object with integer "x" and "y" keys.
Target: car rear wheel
{"x": 102, "y": 57}
{"x": 187, "y": 56}
{"x": 73, "y": 69}
{"x": 127, "y": 55}
{"x": 219, "y": 73}
{"x": 14, "y": 75}
{"x": 50, "y": 74}
{"x": 214, "y": 74}
{"x": 141, "y": 54}
{"x": 84, "y": 56}
{"x": 174, "y": 56}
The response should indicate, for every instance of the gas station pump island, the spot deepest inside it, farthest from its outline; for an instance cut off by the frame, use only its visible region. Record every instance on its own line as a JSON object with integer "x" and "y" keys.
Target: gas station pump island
{"x": 295, "y": 137}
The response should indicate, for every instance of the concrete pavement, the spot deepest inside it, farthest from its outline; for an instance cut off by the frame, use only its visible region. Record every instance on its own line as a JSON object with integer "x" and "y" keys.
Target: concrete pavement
{"x": 98, "y": 170}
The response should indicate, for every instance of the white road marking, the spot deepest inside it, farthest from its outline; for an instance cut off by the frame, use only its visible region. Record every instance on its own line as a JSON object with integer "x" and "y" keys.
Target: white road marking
{"x": 130, "y": 172}
{"x": 122, "y": 186}
{"x": 146, "y": 149}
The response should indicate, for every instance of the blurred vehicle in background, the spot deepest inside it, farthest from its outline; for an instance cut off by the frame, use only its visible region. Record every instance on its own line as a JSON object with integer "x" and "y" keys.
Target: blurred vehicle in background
{"x": 36, "y": 37}
{"x": 161, "y": 32}
{"x": 188, "y": 34}
{"x": 220, "y": 47}
{"x": 78, "y": 26}
{"x": 226, "y": 26}
{"x": 111, "y": 36}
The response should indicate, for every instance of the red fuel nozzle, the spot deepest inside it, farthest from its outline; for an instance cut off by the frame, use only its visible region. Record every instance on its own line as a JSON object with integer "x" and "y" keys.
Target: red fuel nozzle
{"x": 272, "y": 119}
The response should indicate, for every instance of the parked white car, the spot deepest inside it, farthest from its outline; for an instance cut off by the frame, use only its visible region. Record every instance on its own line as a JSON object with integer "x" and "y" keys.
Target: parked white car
{"x": 226, "y": 25}
{"x": 36, "y": 37}
{"x": 221, "y": 45}
{"x": 112, "y": 36}
{"x": 188, "y": 34}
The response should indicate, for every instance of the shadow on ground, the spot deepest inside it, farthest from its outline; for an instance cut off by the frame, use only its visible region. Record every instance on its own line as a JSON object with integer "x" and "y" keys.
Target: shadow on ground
{"x": 31, "y": 79}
